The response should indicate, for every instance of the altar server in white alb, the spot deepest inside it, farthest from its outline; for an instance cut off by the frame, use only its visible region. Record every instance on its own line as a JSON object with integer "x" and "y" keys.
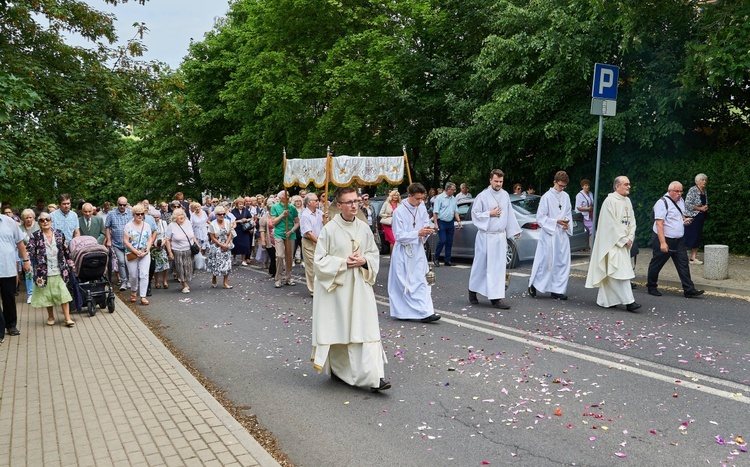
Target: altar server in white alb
{"x": 493, "y": 216}
{"x": 345, "y": 328}
{"x": 410, "y": 296}
{"x": 551, "y": 268}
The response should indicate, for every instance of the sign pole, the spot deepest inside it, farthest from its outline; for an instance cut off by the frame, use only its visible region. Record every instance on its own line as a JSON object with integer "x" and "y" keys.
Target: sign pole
{"x": 596, "y": 180}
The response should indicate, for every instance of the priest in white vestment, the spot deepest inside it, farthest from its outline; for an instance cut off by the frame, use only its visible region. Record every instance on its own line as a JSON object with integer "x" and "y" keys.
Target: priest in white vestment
{"x": 493, "y": 216}
{"x": 410, "y": 296}
{"x": 345, "y": 328}
{"x": 551, "y": 269}
{"x": 610, "y": 269}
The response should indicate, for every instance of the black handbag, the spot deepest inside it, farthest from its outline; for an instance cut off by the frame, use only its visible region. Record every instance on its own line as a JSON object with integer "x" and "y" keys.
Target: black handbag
{"x": 194, "y": 248}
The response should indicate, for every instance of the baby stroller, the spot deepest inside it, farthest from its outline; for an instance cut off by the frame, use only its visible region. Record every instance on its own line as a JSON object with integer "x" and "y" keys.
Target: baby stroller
{"x": 90, "y": 260}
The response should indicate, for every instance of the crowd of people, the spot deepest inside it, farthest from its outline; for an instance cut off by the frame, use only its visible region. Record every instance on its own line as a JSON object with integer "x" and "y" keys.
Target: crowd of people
{"x": 341, "y": 256}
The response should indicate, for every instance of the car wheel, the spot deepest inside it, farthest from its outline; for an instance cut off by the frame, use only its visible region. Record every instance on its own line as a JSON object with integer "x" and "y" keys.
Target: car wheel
{"x": 511, "y": 255}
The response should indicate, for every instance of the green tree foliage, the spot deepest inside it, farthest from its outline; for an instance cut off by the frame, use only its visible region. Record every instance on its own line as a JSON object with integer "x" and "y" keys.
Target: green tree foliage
{"x": 62, "y": 108}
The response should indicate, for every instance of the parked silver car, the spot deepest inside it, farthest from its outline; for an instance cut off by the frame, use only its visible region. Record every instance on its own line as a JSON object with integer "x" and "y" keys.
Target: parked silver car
{"x": 524, "y": 207}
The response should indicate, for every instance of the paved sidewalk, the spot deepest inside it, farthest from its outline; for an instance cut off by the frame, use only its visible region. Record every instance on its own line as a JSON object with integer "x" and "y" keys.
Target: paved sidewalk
{"x": 738, "y": 282}
{"x": 107, "y": 392}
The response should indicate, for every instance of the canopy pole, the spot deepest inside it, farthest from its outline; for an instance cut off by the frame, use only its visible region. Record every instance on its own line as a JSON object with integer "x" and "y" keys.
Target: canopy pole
{"x": 287, "y": 240}
{"x": 406, "y": 161}
{"x": 328, "y": 177}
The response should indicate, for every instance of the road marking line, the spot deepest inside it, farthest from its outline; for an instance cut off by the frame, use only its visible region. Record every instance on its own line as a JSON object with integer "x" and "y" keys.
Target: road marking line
{"x": 583, "y": 352}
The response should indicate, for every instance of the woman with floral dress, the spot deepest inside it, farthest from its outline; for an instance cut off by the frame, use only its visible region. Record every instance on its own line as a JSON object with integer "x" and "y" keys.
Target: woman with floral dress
{"x": 220, "y": 233}
{"x": 50, "y": 261}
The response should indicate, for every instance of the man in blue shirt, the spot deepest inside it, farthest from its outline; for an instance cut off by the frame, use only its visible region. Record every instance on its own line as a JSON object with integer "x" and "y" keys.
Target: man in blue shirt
{"x": 114, "y": 228}
{"x": 444, "y": 210}
{"x": 65, "y": 220}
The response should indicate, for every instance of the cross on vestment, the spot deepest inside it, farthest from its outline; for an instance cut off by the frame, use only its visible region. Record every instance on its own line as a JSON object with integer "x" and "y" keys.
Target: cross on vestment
{"x": 626, "y": 217}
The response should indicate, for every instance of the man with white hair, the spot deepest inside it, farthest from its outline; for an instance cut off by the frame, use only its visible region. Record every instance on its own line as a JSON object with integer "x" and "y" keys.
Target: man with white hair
{"x": 310, "y": 224}
{"x": 91, "y": 225}
{"x": 668, "y": 242}
{"x": 286, "y": 221}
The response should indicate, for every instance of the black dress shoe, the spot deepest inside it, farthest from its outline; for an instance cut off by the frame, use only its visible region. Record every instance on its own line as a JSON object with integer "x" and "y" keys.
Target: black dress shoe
{"x": 654, "y": 291}
{"x": 148, "y": 291}
{"x": 633, "y": 285}
{"x": 559, "y": 296}
{"x": 436, "y": 263}
{"x": 694, "y": 293}
{"x": 383, "y": 386}
{"x": 473, "y": 297}
{"x": 431, "y": 318}
{"x": 633, "y": 306}
{"x": 13, "y": 331}
{"x": 498, "y": 303}
{"x": 335, "y": 377}
{"x": 448, "y": 263}
{"x": 532, "y": 291}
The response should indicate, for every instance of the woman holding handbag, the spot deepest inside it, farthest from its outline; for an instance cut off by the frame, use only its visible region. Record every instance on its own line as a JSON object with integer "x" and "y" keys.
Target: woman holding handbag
{"x": 220, "y": 233}
{"x": 386, "y": 217}
{"x": 180, "y": 237}
{"x": 137, "y": 238}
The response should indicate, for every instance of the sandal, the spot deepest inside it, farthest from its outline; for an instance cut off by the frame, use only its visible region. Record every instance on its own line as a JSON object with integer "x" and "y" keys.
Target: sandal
{"x": 144, "y": 302}
{"x": 186, "y": 290}
{"x": 133, "y": 297}
{"x": 158, "y": 286}
{"x": 51, "y": 322}
{"x": 227, "y": 286}
{"x": 70, "y": 323}
{"x": 166, "y": 286}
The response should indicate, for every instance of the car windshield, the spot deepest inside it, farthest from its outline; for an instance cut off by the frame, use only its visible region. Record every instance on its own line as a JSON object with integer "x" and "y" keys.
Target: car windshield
{"x": 526, "y": 206}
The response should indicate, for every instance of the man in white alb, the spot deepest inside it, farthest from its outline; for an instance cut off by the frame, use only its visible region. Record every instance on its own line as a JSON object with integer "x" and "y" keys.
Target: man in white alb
{"x": 345, "y": 328}
{"x": 493, "y": 216}
{"x": 551, "y": 268}
{"x": 610, "y": 269}
{"x": 310, "y": 224}
{"x": 410, "y": 296}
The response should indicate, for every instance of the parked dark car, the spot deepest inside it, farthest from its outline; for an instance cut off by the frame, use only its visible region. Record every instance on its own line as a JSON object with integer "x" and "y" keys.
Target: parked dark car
{"x": 524, "y": 207}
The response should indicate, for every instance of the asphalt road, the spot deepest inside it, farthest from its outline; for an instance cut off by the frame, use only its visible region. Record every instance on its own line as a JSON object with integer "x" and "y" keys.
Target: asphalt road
{"x": 545, "y": 383}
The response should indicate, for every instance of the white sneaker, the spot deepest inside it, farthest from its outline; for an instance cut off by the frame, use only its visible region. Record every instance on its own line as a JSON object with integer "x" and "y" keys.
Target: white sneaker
{"x": 291, "y": 283}
{"x": 696, "y": 261}
{"x": 277, "y": 284}
{"x": 123, "y": 286}
{"x": 28, "y": 300}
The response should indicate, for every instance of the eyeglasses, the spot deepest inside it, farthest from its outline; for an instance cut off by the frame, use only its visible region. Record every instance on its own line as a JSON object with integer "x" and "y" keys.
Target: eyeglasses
{"x": 46, "y": 219}
{"x": 349, "y": 203}
{"x": 8, "y": 212}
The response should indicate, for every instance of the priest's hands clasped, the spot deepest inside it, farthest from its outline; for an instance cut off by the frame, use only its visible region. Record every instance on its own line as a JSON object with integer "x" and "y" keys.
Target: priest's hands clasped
{"x": 564, "y": 223}
{"x": 355, "y": 260}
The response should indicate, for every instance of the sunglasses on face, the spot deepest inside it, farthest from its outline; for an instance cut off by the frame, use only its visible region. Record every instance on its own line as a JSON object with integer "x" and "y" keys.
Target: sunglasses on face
{"x": 122, "y": 205}
{"x": 138, "y": 214}
{"x": 221, "y": 214}
{"x": 46, "y": 219}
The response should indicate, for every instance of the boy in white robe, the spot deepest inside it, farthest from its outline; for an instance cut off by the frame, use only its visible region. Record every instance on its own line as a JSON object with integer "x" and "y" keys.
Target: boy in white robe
{"x": 610, "y": 269}
{"x": 551, "y": 268}
{"x": 410, "y": 296}
{"x": 493, "y": 216}
{"x": 345, "y": 328}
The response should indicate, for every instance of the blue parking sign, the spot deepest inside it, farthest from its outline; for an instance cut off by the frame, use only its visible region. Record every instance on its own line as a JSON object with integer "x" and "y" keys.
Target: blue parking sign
{"x": 605, "y": 81}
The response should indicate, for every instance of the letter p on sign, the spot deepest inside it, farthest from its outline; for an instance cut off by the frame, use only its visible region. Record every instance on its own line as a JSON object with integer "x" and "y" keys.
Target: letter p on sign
{"x": 605, "y": 81}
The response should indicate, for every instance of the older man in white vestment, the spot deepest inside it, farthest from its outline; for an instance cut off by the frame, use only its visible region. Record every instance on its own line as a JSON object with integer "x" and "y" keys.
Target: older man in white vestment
{"x": 410, "y": 296}
{"x": 551, "y": 268}
{"x": 345, "y": 332}
{"x": 493, "y": 216}
{"x": 609, "y": 268}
